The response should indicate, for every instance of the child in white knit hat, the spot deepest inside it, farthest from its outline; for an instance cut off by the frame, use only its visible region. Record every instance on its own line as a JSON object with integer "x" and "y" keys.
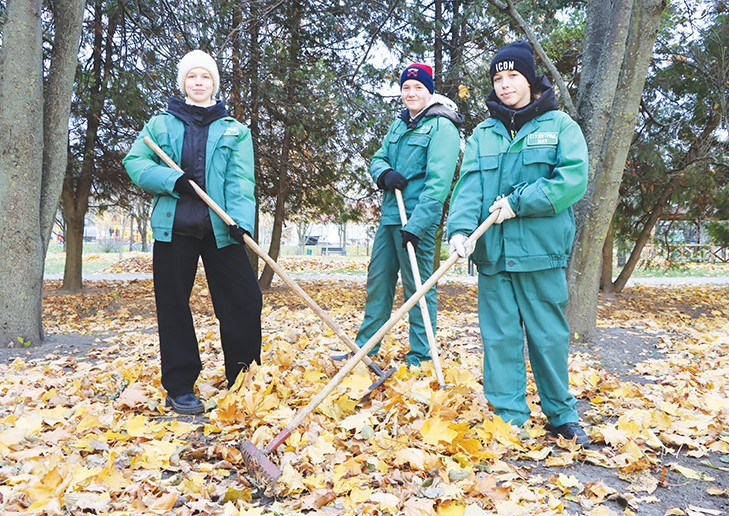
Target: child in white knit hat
{"x": 216, "y": 152}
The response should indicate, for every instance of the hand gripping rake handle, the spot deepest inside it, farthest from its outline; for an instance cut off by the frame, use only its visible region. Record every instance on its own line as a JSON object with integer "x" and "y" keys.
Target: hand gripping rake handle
{"x": 256, "y": 457}
{"x": 422, "y": 302}
{"x": 260, "y": 252}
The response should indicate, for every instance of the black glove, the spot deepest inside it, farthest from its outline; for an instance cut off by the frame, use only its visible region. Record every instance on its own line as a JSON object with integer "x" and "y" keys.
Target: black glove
{"x": 183, "y": 186}
{"x": 409, "y": 237}
{"x": 236, "y": 233}
{"x": 389, "y": 180}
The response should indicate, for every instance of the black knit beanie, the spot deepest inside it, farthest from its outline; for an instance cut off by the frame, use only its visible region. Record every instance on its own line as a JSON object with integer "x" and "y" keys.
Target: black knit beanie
{"x": 515, "y": 56}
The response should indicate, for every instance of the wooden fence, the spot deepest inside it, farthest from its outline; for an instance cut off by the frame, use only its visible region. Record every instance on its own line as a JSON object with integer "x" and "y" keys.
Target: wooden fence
{"x": 707, "y": 253}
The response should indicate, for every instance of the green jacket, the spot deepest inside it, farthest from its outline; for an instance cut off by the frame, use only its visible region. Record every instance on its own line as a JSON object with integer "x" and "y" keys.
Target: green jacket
{"x": 427, "y": 156}
{"x": 543, "y": 171}
{"x": 229, "y": 178}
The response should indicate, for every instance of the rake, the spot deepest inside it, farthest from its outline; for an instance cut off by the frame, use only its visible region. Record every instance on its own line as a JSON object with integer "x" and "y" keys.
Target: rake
{"x": 256, "y": 460}
{"x": 422, "y": 302}
{"x": 383, "y": 376}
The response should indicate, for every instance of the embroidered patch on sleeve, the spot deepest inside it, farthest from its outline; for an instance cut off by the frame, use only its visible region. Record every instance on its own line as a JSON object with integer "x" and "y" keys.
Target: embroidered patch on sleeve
{"x": 544, "y": 138}
{"x": 231, "y": 131}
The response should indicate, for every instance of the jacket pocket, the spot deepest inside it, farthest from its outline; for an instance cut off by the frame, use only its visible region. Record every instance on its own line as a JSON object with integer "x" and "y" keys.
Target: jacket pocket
{"x": 546, "y": 155}
{"x": 165, "y": 143}
{"x": 488, "y": 163}
{"x": 419, "y": 140}
{"x": 225, "y": 148}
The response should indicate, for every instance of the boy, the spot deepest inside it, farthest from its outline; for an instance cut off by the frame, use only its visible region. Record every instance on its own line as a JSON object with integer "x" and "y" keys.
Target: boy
{"x": 529, "y": 162}
{"x": 216, "y": 152}
{"x": 418, "y": 156}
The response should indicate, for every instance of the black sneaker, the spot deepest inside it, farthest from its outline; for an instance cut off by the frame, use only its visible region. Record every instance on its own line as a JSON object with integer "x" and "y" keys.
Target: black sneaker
{"x": 185, "y": 404}
{"x": 570, "y": 431}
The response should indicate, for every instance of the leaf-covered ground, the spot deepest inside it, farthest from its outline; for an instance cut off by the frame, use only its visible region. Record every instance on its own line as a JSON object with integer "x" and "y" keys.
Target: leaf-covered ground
{"x": 83, "y": 428}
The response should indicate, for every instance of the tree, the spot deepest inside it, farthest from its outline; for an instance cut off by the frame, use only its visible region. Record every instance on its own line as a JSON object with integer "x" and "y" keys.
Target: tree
{"x": 92, "y": 86}
{"x": 677, "y": 164}
{"x": 618, "y": 45}
{"x": 33, "y": 123}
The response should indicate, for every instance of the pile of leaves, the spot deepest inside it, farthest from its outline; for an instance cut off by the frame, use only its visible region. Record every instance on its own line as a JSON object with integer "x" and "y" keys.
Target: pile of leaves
{"x": 88, "y": 432}
{"x": 142, "y": 264}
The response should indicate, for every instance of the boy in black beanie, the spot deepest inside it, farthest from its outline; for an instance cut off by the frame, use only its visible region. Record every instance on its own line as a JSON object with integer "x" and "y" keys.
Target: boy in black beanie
{"x": 528, "y": 163}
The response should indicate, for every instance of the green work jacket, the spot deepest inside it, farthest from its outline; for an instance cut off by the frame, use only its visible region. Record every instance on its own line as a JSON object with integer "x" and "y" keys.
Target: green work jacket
{"x": 229, "y": 178}
{"x": 427, "y": 156}
{"x": 542, "y": 171}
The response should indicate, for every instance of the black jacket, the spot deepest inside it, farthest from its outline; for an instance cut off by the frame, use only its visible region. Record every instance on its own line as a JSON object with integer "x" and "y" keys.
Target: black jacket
{"x": 192, "y": 217}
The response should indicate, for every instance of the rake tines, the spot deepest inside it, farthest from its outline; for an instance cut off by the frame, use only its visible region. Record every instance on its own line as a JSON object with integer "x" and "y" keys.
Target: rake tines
{"x": 258, "y": 465}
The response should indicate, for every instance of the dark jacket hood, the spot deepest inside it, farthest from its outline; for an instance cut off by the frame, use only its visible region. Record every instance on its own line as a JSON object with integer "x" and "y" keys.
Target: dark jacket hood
{"x": 191, "y": 114}
{"x": 438, "y": 106}
{"x": 514, "y": 119}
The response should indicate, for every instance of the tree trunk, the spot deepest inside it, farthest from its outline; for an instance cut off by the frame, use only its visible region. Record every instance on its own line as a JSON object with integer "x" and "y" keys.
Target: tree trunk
{"x": 72, "y": 279}
{"x": 640, "y": 243}
{"x": 254, "y": 31}
{"x": 32, "y": 155}
{"x": 21, "y": 164}
{"x": 279, "y": 214}
{"x": 142, "y": 228}
{"x": 619, "y": 39}
{"x": 77, "y": 190}
{"x": 75, "y": 204}
{"x": 438, "y": 46}
{"x": 68, "y": 15}
{"x": 292, "y": 88}
{"x": 606, "y": 278}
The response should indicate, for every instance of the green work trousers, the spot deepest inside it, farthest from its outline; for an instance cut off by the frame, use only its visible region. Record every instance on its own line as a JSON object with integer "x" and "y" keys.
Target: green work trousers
{"x": 509, "y": 304}
{"x": 388, "y": 257}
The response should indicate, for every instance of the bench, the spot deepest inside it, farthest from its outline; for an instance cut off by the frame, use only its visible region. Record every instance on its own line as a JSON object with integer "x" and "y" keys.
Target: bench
{"x": 327, "y": 249}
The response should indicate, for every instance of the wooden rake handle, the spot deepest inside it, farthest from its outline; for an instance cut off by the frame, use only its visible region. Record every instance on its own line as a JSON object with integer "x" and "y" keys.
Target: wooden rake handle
{"x": 260, "y": 252}
{"x": 352, "y": 362}
{"x": 422, "y": 302}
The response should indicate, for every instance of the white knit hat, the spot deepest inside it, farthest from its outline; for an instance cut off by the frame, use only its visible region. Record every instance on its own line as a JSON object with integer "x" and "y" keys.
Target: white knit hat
{"x": 197, "y": 59}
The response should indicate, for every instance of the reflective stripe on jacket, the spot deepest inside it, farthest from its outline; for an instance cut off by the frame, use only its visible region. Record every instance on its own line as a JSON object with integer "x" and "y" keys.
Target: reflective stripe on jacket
{"x": 229, "y": 176}
{"x": 543, "y": 171}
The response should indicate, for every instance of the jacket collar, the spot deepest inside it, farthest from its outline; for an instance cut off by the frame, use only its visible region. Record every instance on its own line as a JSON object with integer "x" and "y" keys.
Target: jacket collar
{"x": 515, "y": 119}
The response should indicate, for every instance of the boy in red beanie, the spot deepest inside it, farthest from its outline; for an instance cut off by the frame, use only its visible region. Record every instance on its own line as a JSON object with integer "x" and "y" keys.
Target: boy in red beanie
{"x": 418, "y": 156}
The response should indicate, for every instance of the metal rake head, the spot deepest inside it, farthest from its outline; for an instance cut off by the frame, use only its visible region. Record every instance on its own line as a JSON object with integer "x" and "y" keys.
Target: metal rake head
{"x": 258, "y": 465}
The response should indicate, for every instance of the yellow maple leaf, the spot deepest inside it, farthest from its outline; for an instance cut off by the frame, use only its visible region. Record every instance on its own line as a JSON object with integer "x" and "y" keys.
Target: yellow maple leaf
{"x": 386, "y": 501}
{"x": 291, "y": 480}
{"x": 137, "y": 426}
{"x": 355, "y": 421}
{"x": 413, "y": 456}
{"x": 154, "y": 455}
{"x": 358, "y": 496}
{"x": 435, "y": 430}
{"x": 613, "y": 436}
{"x": 320, "y": 448}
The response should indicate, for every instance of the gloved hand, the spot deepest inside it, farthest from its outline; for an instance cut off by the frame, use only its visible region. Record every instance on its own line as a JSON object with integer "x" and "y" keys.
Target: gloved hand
{"x": 505, "y": 211}
{"x": 183, "y": 186}
{"x": 461, "y": 245}
{"x": 389, "y": 180}
{"x": 236, "y": 233}
{"x": 409, "y": 237}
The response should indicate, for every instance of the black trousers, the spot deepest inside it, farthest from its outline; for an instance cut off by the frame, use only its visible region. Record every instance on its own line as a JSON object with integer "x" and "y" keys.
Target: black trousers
{"x": 237, "y": 302}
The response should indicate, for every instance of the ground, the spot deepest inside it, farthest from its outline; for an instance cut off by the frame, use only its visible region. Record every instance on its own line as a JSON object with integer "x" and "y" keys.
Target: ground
{"x": 652, "y": 388}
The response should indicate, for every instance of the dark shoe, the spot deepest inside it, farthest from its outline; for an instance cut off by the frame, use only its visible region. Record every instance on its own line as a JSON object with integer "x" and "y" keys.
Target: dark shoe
{"x": 185, "y": 404}
{"x": 340, "y": 358}
{"x": 570, "y": 431}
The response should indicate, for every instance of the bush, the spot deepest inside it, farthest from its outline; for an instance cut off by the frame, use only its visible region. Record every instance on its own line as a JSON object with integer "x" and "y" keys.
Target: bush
{"x": 719, "y": 232}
